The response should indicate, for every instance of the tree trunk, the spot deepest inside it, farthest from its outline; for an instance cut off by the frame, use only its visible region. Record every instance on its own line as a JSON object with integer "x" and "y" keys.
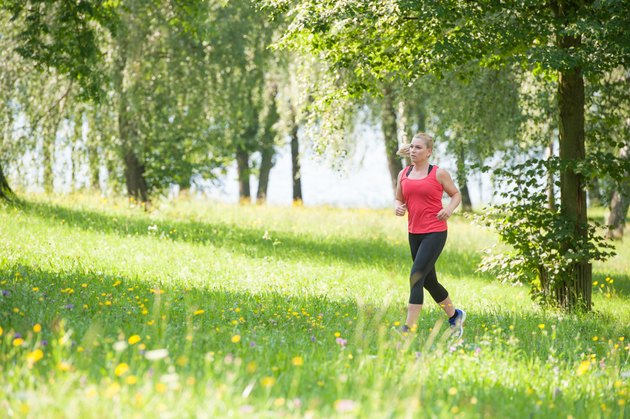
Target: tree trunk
{"x": 575, "y": 291}
{"x": 134, "y": 176}
{"x": 619, "y": 204}
{"x": 551, "y": 197}
{"x": 295, "y": 161}
{"x": 266, "y": 163}
{"x": 267, "y": 140}
{"x": 49, "y": 151}
{"x": 390, "y": 134}
{"x": 5, "y": 190}
{"x": 242, "y": 164}
{"x": 462, "y": 178}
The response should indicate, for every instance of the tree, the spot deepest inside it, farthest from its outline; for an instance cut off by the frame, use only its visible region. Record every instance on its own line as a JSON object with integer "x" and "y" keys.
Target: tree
{"x": 408, "y": 39}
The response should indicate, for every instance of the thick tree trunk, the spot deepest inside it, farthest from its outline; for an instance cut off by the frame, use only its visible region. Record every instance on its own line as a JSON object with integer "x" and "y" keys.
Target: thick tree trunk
{"x": 295, "y": 162}
{"x": 266, "y": 163}
{"x": 462, "y": 178}
{"x": 242, "y": 165}
{"x": 390, "y": 134}
{"x": 619, "y": 204}
{"x": 5, "y": 191}
{"x": 134, "y": 176}
{"x": 575, "y": 291}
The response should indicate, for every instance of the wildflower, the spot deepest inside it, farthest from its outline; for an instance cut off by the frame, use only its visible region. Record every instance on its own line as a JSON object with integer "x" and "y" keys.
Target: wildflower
{"x": 337, "y": 334}
{"x": 132, "y": 379}
{"x": 121, "y": 369}
{"x": 37, "y": 328}
{"x": 134, "y": 339}
{"x": 69, "y": 306}
{"x": 236, "y": 339}
{"x": 1, "y": 331}
{"x": 452, "y": 391}
{"x": 298, "y": 361}
{"x": 18, "y": 342}
{"x": 156, "y": 354}
{"x": 341, "y": 342}
{"x": 198, "y": 312}
{"x": 34, "y": 356}
{"x": 63, "y": 366}
{"x": 584, "y": 366}
{"x": 345, "y": 405}
{"x": 267, "y": 381}
{"x": 541, "y": 326}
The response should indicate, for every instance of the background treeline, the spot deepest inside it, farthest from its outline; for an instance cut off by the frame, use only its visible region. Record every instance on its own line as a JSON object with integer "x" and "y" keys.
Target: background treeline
{"x": 143, "y": 94}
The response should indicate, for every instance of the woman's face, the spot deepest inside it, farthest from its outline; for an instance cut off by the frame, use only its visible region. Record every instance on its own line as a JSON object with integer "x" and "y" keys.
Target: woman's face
{"x": 419, "y": 151}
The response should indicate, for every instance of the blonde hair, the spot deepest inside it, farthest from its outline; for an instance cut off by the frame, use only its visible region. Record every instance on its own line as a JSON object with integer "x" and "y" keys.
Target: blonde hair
{"x": 426, "y": 138}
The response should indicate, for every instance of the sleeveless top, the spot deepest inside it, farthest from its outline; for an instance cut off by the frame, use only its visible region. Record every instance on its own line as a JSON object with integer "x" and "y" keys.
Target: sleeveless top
{"x": 424, "y": 200}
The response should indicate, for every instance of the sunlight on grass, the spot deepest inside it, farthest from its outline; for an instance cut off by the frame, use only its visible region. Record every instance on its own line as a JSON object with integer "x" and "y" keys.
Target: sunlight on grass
{"x": 203, "y": 310}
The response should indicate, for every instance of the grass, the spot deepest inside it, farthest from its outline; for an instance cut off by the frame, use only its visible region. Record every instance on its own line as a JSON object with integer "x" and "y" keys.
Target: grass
{"x": 203, "y": 310}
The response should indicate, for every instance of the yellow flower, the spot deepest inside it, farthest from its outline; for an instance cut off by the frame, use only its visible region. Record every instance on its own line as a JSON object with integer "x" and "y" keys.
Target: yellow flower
{"x": 160, "y": 387}
{"x": 337, "y": 334}
{"x": 267, "y": 381}
{"x": 34, "y": 356}
{"x": 198, "y": 312}
{"x": 121, "y": 369}
{"x": 236, "y": 339}
{"x": 134, "y": 339}
{"x": 1, "y": 331}
{"x": 452, "y": 391}
{"x": 132, "y": 379}
{"x": 37, "y": 328}
{"x": 63, "y": 366}
{"x": 18, "y": 342}
{"x": 298, "y": 361}
{"x": 541, "y": 326}
{"x": 584, "y": 366}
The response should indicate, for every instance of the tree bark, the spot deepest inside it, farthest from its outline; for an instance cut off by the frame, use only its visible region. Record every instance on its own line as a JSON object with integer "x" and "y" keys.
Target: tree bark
{"x": 575, "y": 291}
{"x": 134, "y": 176}
{"x": 242, "y": 165}
{"x": 390, "y": 134}
{"x": 619, "y": 204}
{"x": 295, "y": 160}
{"x": 267, "y": 149}
{"x": 462, "y": 178}
{"x": 551, "y": 197}
{"x": 5, "y": 190}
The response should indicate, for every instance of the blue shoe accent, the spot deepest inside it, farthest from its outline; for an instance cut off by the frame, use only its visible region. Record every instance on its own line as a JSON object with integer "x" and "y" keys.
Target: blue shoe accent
{"x": 457, "y": 323}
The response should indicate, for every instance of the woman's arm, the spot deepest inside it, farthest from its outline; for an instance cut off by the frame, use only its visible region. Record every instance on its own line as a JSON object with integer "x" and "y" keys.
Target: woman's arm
{"x": 400, "y": 207}
{"x": 447, "y": 183}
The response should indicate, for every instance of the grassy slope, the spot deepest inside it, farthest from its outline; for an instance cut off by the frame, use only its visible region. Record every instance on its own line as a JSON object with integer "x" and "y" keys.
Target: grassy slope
{"x": 297, "y": 309}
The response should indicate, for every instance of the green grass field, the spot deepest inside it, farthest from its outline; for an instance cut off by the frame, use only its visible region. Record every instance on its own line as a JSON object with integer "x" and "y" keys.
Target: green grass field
{"x": 201, "y": 309}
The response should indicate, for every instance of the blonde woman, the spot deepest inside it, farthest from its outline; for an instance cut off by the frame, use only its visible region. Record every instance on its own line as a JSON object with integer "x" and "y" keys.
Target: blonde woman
{"x": 419, "y": 193}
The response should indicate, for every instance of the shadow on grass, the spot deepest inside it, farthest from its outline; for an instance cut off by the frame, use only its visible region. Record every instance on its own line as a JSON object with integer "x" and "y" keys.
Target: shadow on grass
{"x": 253, "y": 241}
{"x": 99, "y": 307}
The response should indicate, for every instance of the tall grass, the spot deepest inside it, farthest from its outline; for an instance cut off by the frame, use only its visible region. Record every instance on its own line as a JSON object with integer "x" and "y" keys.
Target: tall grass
{"x": 201, "y": 309}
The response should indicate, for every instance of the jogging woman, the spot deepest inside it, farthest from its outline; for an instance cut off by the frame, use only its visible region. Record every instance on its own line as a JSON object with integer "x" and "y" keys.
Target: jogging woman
{"x": 419, "y": 192}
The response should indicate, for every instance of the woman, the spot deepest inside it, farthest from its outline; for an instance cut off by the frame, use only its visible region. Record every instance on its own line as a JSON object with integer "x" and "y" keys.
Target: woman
{"x": 419, "y": 191}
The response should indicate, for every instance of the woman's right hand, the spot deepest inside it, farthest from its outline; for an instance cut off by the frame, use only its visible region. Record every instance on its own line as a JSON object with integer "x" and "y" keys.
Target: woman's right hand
{"x": 401, "y": 209}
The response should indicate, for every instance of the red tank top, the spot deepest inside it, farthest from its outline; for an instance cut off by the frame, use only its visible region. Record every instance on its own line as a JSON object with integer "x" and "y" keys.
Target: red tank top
{"x": 424, "y": 200}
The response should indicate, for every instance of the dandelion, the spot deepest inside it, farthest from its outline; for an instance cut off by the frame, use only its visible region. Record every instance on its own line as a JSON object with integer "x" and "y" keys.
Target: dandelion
{"x": 452, "y": 391}
{"x": 541, "y": 326}
{"x": 236, "y": 339}
{"x": 121, "y": 369}
{"x": 34, "y": 356}
{"x": 198, "y": 312}
{"x": 298, "y": 361}
{"x": 18, "y": 342}
{"x": 63, "y": 366}
{"x": 251, "y": 367}
{"x": 37, "y": 328}
{"x": 583, "y": 367}
{"x": 132, "y": 379}
{"x": 1, "y": 331}
{"x": 134, "y": 339}
{"x": 337, "y": 334}
{"x": 267, "y": 381}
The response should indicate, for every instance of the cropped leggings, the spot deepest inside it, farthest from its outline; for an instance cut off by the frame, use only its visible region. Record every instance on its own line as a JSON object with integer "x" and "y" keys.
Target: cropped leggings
{"x": 425, "y": 250}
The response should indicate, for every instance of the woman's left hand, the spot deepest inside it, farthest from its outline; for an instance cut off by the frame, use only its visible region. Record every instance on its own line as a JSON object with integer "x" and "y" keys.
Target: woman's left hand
{"x": 443, "y": 215}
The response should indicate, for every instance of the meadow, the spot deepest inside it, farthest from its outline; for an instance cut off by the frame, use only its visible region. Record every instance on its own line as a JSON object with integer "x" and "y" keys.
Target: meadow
{"x": 200, "y": 309}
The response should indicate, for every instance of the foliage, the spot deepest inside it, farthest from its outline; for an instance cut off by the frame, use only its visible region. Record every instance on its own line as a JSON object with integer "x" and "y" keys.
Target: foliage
{"x": 544, "y": 247}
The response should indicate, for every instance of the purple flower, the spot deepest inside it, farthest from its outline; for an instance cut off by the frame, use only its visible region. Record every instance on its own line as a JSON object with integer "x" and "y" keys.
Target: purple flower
{"x": 341, "y": 342}
{"x": 44, "y": 342}
{"x": 69, "y": 306}
{"x": 17, "y": 335}
{"x": 5, "y": 293}
{"x": 312, "y": 338}
{"x": 252, "y": 344}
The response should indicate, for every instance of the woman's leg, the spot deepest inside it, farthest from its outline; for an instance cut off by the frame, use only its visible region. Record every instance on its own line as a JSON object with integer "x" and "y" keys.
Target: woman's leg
{"x": 426, "y": 249}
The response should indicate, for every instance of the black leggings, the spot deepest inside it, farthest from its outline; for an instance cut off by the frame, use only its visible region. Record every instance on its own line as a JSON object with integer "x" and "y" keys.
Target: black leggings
{"x": 425, "y": 250}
